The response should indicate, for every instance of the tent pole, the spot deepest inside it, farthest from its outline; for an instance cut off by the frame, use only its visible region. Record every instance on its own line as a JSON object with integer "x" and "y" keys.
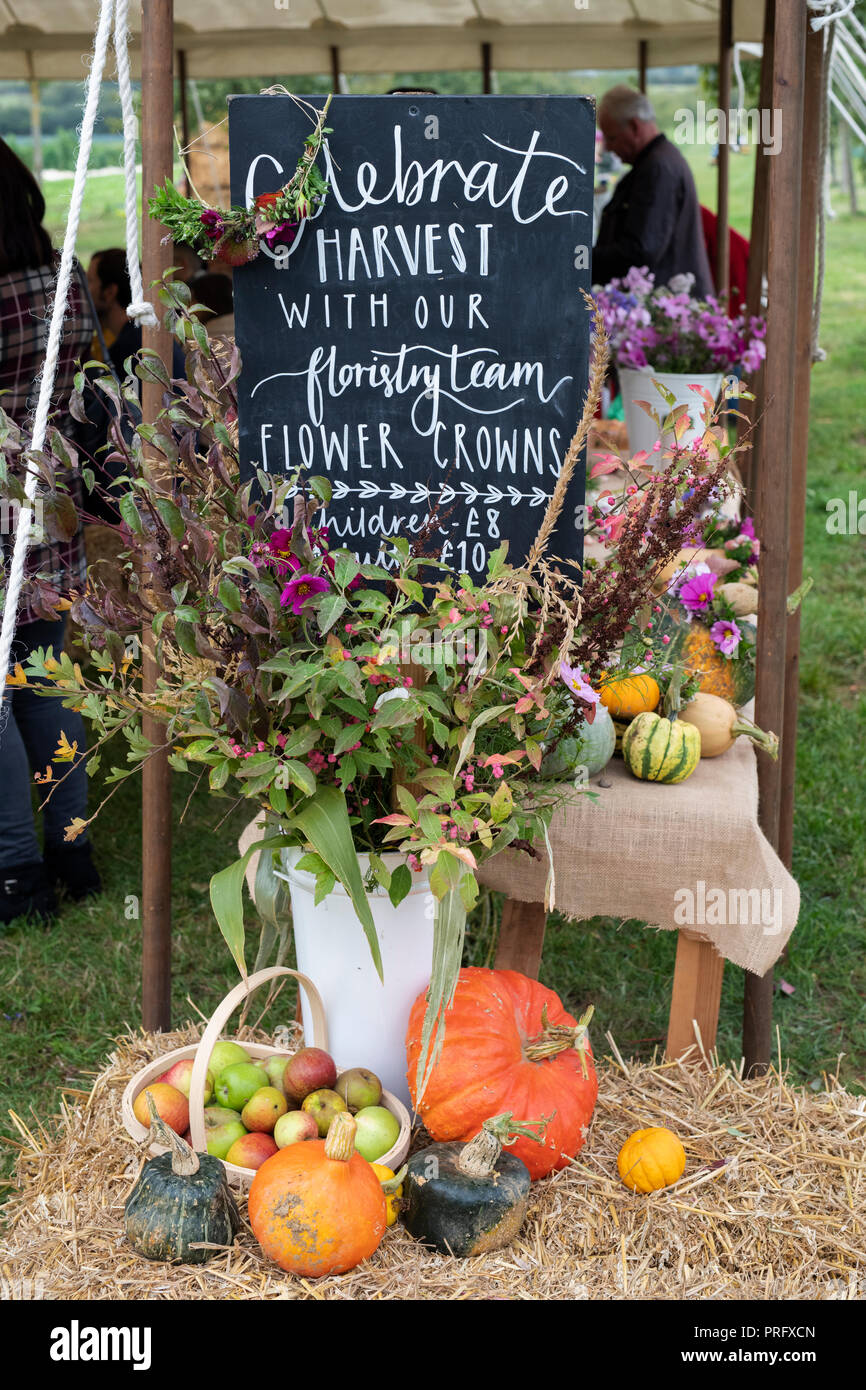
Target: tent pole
{"x": 184, "y": 109}
{"x": 486, "y": 68}
{"x": 35, "y": 122}
{"x": 335, "y": 69}
{"x": 772, "y": 513}
{"x": 723, "y": 250}
{"x": 811, "y": 192}
{"x": 758, "y": 251}
{"x": 157, "y": 149}
{"x": 642, "y": 50}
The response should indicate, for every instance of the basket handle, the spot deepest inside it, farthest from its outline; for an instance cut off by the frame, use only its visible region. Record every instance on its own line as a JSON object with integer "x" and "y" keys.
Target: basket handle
{"x": 220, "y": 1017}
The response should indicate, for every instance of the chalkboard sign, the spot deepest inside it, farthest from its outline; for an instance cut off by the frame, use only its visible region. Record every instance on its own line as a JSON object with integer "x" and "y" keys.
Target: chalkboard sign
{"x": 424, "y": 338}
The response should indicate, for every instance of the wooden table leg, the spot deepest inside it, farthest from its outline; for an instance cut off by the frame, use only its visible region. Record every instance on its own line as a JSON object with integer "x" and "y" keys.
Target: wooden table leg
{"x": 696, "y": 994}
{"x": 521, "y": 938}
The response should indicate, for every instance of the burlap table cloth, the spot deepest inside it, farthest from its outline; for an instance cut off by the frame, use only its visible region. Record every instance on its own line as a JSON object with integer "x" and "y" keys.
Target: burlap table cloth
{"x": 690, "y": 856}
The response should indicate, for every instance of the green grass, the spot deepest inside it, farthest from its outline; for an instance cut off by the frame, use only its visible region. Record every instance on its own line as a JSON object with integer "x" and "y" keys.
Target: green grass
{"x": 66, "y": 992}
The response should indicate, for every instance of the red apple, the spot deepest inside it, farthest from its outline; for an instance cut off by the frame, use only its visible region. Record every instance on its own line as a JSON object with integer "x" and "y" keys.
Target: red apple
{"x": 323, "y": 1106}
{"x": 221, "y": 1128}
{"x": 180, "y": 1075}
{"x": 309, "y": 1070}
{"x": 171, "y": 1106}
{"x": 295, "y": 1127}
{"x": 251, "y": 1150}
{"x": 262, "y": 1110}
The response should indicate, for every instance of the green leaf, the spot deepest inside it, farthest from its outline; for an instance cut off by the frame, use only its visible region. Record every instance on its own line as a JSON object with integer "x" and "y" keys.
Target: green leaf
{"x": 407, "y": 803}
{"x": 401, "y": 884}
{"x": 346, "y": 567}
{"x": 324, "y": 885}
{"x": 226, "y": 896}
{"x": 448, "y": 932}
{"x": 301, "y": 776}
{"x": 331, "y": 607}
{"x": 431, "y": 825}
{"x": 230, "y": 596}
{"x": 172, "y": 517}
{"x": 130, "y": 514}
{"x": 218, "y": 776}
{"x": 184, "y": 635}
{"x": 325, "y": 822}
{"x": 311, "y": 863}
{"x": 393, "y": 713}
{"x": 271, "y": 893}
{"x": 321, "y": 489}
{"x": 380, "y": 870}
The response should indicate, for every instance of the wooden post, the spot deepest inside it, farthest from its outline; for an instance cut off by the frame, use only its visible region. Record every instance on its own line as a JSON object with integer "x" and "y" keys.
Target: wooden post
{"x": 758, "y": 251}
{"x": 772, "y": 519}
{"x": 335, "y": 69}
{"x": 184, "y": 110}
{"x": 695, "y": 996}
{"x": 723, "y": 255}
{"x": 521, "y": 937}
{"x": 486, "y": 69}
{"x": 35, "y": 127}
{"x": 813, "y": 174}
{"x": 157, "y": 148}
{"x": 642, "y": 52}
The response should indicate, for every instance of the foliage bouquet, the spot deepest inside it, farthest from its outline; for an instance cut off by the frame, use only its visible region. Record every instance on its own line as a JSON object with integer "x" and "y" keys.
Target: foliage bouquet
{"x": 360, "y": 707}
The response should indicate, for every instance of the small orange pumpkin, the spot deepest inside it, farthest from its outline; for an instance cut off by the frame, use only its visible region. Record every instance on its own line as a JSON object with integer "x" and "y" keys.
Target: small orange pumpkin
{"x": 651, "y": 1159}
{"x": 318, "y": 1208}
{"x": 628, "y": 696}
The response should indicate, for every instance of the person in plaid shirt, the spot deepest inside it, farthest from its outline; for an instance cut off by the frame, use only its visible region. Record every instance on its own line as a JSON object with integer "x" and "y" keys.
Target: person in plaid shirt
{"x": 31, "y": 725}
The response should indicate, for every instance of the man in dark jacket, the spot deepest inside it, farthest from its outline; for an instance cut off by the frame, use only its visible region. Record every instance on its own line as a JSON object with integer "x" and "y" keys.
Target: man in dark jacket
{"x": 653, "y": 218}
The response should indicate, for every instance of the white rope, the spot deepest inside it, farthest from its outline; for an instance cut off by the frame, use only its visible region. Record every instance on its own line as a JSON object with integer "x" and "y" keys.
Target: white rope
{"x": 55, "y": 332}
{"x": 832, "y": 10}
{"x": 139, "y": 309}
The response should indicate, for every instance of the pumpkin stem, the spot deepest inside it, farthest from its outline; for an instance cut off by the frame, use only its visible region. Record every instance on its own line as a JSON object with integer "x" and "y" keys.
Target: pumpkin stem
{"x": 768, "y": 741}
{"x": 479, "y": 1157}
{"x": 184, "y": 1159}
{"x": 340, "y": 1142}
{"x": 557, "y": 1037}
{"x": 390, "y": 1186}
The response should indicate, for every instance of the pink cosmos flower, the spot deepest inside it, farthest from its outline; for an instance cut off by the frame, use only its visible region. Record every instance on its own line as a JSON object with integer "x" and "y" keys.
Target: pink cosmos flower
{"x": 696, "y": 594}
{"x": 574, "y": 678}
{"x": 299, "y": 590}
{"x": 726, "y": 636}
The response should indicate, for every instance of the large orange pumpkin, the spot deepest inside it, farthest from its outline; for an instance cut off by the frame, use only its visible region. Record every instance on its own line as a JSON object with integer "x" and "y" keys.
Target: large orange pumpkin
{"x": 317, "y": 1207}
{"x": 509, "y": 1045}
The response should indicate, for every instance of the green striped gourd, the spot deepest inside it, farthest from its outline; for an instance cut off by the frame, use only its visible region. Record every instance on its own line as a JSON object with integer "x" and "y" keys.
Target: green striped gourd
{"x": 661, "y": 750}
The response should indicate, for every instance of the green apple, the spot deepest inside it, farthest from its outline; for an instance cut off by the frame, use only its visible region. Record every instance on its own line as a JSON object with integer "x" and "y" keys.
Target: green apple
{"x": 224, "y": 1055}
{"x": 377, "y": 1131}
{"x": 275, "y": 1068}
{"x": 359, "y": 1088}
{"x": 238, "y": 1083}
{"x": 323, "y": 1106}
{"x": 221, "y": 1128}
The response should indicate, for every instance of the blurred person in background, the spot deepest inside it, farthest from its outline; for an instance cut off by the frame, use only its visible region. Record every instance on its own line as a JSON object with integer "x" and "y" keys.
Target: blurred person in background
{"x": 653, "y": 218}
{"x": 32, "y": 725}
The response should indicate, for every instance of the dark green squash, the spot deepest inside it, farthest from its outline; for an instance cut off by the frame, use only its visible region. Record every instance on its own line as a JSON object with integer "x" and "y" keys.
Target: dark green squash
{"x": 181, "y": 1200}
{"x": 466, "y": 1199}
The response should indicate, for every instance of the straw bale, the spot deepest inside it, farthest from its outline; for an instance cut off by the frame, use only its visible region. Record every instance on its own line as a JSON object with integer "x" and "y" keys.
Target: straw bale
{"x": 772, "y": 1204}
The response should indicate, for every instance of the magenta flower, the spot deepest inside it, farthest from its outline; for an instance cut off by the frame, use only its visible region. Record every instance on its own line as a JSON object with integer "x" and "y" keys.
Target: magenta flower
{"x": 726, "y": 636}
{"x": 213, "y": 223}
{"x": 283, "y": 234}
{"x": 696, "y": 594}
{"x": 747, "y": 528}
{"x": 574, "y": 678}
{"x": 299, "y": 590}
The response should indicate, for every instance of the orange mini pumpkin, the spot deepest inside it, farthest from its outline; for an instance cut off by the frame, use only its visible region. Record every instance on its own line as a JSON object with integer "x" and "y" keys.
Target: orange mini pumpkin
{"x": 509, "y": 1045}
{"x": 628, "y": 696}
{"x": 651, "y": 1159}
{"x": 318, "y": 1208}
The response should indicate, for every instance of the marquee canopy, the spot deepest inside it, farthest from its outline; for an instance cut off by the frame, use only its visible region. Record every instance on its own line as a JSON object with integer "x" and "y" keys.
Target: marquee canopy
{"x": 46, "y": 39}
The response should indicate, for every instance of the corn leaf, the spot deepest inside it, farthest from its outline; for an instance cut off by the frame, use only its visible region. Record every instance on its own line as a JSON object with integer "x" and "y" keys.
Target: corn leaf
{"x": 325, "y": 823}
{"x": 448, "y": 932}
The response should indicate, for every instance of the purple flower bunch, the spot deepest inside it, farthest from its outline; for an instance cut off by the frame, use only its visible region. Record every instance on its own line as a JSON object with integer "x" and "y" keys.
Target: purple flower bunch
{"x": 664, "y": 328}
